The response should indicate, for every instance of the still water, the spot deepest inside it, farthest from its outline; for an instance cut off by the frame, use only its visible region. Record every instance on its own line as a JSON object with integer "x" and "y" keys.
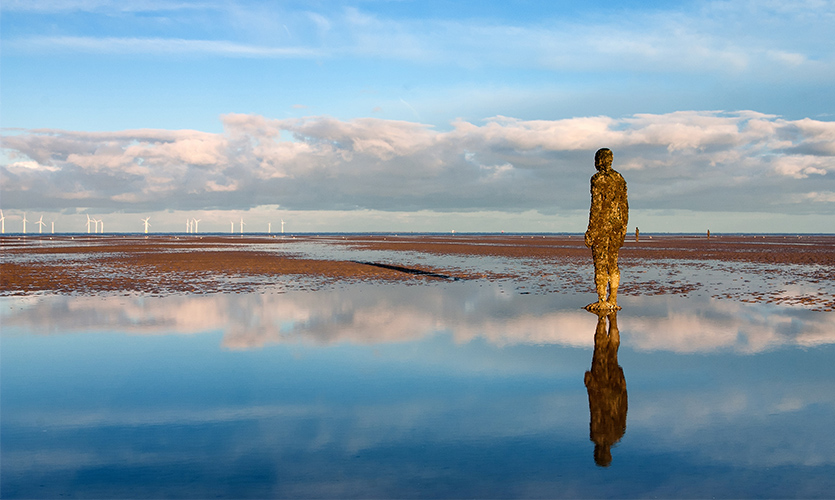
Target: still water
{"x": 460, "y": 389}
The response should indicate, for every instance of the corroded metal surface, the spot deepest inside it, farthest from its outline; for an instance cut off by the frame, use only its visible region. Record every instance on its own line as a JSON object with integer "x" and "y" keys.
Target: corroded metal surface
{"x": 608, "y": 217}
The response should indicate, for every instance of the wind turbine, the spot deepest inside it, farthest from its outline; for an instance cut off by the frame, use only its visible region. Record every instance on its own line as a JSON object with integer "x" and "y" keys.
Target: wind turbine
{"x": 24, "y": 222}
{"x": 195, "y": 224}
{"x": 188, "y": 225}
{"x": 242, "y": 225}
{"x": 89, "y": 220}
{"x": 53, "y": 227}
{"x": 40, "y": 224}
{"x": 145, "y": 220}
{"x": 282, "y": 226}
{"x": 2, "y": 223}
{"x": 269, "y": 228}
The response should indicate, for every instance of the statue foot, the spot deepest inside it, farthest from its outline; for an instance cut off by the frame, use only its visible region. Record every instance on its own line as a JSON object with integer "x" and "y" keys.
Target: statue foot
{"x": 602, "y": 305}
{"x": 597, "y": 306}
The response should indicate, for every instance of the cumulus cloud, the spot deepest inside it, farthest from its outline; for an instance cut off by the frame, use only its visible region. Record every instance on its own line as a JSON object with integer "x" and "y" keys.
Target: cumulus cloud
{"x": 708, "y": 160}
{"x": 816, "y": 197}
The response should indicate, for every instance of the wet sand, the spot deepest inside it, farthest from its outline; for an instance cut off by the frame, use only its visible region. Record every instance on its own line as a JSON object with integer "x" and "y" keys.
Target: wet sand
{"x": 161, "y": 264}
{"x": 759, "y": 249}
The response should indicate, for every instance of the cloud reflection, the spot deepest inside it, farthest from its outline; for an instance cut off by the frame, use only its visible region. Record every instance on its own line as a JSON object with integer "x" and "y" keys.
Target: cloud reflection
{"x": 374, "y": 314}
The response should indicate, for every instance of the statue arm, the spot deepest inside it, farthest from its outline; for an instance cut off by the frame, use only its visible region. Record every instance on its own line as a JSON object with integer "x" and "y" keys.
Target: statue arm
{"x": 622, "y": 210}
{"x": 594, "y": 211}
{"x": 625, "y": 210}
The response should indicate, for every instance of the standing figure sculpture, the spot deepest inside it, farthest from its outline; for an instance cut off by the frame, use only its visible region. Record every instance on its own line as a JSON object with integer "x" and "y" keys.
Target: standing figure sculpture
{"x": 608, "y": 217}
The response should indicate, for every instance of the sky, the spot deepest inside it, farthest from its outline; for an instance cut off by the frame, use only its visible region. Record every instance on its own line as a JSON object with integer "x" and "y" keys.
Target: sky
{"x": 415, "y": 115}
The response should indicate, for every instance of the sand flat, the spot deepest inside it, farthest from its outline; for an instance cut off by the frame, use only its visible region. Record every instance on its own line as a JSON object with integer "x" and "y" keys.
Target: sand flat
{"x": 790, "y": 270}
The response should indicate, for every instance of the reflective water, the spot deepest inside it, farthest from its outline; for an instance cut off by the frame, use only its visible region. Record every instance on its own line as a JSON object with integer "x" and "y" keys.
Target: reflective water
{"x": 459, "y": 389}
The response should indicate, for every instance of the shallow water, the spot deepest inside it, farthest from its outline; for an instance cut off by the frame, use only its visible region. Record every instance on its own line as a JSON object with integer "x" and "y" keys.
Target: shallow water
{"x": 449, "y": 389}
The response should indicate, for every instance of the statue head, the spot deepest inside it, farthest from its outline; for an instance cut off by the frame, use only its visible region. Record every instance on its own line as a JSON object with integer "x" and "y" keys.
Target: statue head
{"x": 603, "y": 159}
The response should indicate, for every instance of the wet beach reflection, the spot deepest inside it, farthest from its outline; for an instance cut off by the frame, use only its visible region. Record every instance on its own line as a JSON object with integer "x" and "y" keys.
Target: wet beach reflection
{"x": 606, "y": 386}
{"x": 455, "y": 390}
{"x": 372, "y": 314}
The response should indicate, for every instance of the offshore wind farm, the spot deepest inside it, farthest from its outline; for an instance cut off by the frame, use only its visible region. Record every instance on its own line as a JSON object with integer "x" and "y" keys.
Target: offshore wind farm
{"x": 95, "y": 225}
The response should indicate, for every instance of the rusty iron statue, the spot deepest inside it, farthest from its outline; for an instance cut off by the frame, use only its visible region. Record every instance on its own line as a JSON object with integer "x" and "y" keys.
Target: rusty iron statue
{"x": 608, "y": 217}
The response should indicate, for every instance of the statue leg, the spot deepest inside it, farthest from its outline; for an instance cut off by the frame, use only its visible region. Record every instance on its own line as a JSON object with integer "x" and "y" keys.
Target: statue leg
{"x": 614, "y": 280}
{"x": 601, "y": 278}
{"x": 601, "y": 283}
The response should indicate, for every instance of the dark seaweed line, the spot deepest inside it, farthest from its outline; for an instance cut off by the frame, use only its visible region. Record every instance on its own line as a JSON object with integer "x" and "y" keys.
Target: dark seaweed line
{"x": 407, "y": 270}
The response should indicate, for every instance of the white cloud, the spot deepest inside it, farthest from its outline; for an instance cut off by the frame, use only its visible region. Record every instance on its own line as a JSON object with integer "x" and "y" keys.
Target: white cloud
{"x": 739, "y": 161}
{"x": 801, "y": 167}
{"x": 158, "y": 46}
{"x": 789, "y": 58}
{"x": 817, "y": 197}
{"x": 30, "y": 165}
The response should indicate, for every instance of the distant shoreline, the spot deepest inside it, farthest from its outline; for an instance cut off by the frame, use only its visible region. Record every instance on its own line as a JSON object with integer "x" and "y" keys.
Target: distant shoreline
{"x": 388, "y": 233}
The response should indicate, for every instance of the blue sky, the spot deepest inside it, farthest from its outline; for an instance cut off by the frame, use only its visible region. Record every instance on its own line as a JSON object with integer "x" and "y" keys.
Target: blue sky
{"x": 417, "y": 115}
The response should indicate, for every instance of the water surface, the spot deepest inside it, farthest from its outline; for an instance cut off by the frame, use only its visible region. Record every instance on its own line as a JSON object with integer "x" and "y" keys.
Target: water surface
{"x": 458, "y": 389}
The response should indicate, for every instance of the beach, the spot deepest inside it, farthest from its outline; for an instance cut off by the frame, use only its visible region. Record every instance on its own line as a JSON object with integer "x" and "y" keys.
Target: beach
{"x": 796, "y": 270}
{"x": 400, "y": 365}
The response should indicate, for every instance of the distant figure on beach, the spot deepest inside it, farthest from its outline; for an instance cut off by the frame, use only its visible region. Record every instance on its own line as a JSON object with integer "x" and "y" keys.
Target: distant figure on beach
{"x": 608, "y": 217}
{"x": 606, "y": 386}
{"x": 637, "y": 234}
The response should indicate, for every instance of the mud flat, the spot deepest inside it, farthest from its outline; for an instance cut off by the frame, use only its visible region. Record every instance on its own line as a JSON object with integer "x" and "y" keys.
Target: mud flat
{"x": 789, "y": 270}
{"x": 171, "y": 264}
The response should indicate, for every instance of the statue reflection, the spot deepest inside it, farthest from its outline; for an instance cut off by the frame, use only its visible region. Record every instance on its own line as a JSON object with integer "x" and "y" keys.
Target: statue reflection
{"x": 607, "y": 389}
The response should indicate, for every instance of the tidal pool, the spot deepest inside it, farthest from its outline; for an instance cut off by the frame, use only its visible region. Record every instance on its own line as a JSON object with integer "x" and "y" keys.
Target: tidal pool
{"x": 444, "y": 390}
